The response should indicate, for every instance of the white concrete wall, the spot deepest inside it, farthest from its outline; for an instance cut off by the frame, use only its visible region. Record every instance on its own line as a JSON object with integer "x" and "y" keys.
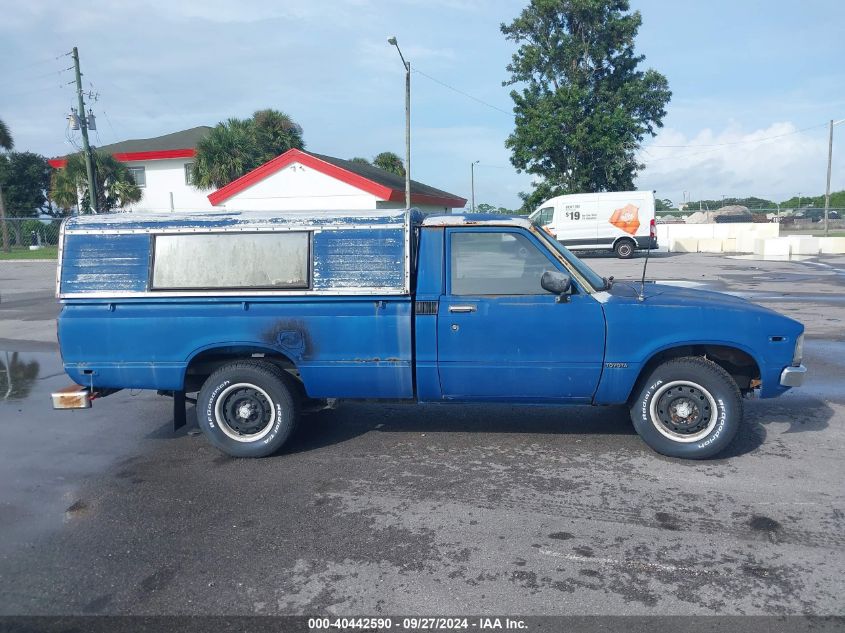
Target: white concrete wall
{"x": 715, "y": 238}
{"x": 164, "y": 177}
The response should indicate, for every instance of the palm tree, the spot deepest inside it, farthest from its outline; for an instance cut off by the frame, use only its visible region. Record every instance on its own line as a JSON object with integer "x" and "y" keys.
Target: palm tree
{"x": 358, "y": 160}
{"x": 6, "y": 141}
{"x": 237, "y": 146}
{"x": 228, "y": 152}
{"x": 116, "y": 188}
{"x": 275, "y": 133}
{"x": 388, "y": 161}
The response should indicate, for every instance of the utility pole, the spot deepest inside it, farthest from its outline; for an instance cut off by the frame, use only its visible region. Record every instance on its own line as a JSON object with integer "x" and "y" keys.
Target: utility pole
{"x": 83, "y": 126}
{"x": 393, "y": 41}
{"x": 829, "y": 164}
{"x": 827, "y": 188}
{"x": 472, "y": 182}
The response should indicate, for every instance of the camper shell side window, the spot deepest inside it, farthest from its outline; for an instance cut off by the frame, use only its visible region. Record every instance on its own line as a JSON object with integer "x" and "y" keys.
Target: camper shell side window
{"x": 214, "y": 261}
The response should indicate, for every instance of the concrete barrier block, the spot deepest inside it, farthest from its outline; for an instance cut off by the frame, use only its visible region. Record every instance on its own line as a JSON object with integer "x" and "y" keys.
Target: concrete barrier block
{"x": 729, "y": 245}
{"x": 770, "y": 229}
{"x": 684, "y": 245}
{"x": 745, "y": 242}
{"x": 698, "y": 231}
{"x": 776, "y": 248}
{"x": 804, "y": 245}
{"x": 758, "y": 246}
{"x": 710, "y": 245}
{"x": 832, "y": 245}
{"x": 731, "y": 229}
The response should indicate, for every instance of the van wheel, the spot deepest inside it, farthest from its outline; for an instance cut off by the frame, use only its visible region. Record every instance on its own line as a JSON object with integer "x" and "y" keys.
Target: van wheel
{"x": 688, "y": 407}
{"x": 624, "y": 249}
{"x": 246, "y": 409}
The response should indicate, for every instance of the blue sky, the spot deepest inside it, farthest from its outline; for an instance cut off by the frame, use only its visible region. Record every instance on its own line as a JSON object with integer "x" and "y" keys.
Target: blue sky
{"x": 741, "y": 72}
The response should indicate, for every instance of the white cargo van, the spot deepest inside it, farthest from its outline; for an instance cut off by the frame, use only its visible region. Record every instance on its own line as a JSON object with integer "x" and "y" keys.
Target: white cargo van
{"x": 622, "y": 221}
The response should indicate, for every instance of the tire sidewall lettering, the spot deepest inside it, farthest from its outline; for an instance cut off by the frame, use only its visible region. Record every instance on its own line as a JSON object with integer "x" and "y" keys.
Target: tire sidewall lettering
{"x": 647, "y": 399}
{"x": 715, "y": 433}
{"x": 212, "y": 401}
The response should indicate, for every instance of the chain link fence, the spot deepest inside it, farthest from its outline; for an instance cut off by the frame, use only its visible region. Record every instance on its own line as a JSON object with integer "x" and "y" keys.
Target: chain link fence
{"x": 29, "y": 238}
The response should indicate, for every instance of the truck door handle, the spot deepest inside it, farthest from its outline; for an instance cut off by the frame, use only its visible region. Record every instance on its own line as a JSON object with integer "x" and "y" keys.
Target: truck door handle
{"x": 469, "y": 308}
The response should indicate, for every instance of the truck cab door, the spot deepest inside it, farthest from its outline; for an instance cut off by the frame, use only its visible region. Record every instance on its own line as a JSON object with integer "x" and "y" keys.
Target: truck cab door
{"x": 501, "y": 336}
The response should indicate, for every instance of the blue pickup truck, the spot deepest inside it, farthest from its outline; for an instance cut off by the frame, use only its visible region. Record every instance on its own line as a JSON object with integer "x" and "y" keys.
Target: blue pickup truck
{"x": 259, "y": 313}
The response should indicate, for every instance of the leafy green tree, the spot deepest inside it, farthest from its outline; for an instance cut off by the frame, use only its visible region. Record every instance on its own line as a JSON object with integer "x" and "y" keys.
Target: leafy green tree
{"x": 751, "y": 203}
{"x": 116, "y": 189}
{"x": 837, "y": 201}
{"x": 663, "y": 204}
{"x": 585, "y": 105}
{"x": 388, "y": 161}
{"x": 25, "y": 178}
{"x": 491, "y": 208}
{"x": 24, "y": 183}
{"x": 6, "y": 141}
{"x": 359, "y": 160}
{"x": 237, "y": 146}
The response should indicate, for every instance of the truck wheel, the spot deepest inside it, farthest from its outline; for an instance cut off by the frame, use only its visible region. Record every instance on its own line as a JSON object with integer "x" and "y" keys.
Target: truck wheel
{"x": 624, "y": 249}
{"x": 688, "y": 407}
{"x": 246, "y": 409}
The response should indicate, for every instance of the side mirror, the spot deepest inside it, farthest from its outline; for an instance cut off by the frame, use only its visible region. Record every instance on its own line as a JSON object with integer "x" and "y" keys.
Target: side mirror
{"x": 556, "y": 282}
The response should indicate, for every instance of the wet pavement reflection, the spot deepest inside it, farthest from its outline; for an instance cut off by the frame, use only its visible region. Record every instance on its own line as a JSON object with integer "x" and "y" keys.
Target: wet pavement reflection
{"x": 17, "y": 375}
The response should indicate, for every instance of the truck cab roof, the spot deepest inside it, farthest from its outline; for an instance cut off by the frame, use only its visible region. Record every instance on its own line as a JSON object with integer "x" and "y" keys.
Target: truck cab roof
{"x": 477, "y": 219}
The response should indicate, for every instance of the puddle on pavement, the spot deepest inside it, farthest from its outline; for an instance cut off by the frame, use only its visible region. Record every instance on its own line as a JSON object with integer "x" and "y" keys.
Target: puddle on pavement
{"x": 17, "y": 375}
{"x": 20, "y": 373}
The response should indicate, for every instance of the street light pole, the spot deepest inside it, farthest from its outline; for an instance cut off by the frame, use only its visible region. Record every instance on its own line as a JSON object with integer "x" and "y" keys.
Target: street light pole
{"x": 407, "y": 66}
{"x": 472, "y": 182}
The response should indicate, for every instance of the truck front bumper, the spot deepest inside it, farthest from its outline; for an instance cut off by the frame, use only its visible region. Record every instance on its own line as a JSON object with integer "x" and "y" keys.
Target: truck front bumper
{"x": 793, "y": 376}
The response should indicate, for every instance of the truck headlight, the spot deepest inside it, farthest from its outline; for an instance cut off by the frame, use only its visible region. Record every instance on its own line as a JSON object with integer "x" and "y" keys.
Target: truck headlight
{"x": 798, "y": 354}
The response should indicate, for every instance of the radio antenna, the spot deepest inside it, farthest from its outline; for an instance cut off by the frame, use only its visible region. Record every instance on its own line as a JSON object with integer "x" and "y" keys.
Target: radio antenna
{"x": 645, "y": 265}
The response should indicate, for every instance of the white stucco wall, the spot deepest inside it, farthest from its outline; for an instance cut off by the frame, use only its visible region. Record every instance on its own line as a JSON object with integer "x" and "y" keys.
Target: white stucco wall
{"x": 299, "y": 187}
{"x": 164, "y": 177}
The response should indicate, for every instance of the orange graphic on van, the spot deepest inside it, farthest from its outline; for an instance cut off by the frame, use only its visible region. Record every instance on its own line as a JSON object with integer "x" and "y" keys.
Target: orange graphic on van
{"x": 626, "y": 218}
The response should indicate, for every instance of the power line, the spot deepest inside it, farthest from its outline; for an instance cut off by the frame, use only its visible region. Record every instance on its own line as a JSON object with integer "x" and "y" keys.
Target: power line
{"x": 715, "y": 147}
{"x": 461, "y": 92}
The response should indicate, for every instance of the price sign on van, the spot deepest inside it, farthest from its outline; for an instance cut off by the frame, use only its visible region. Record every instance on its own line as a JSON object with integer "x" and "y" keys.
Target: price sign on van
{"x": 572, "y": 212}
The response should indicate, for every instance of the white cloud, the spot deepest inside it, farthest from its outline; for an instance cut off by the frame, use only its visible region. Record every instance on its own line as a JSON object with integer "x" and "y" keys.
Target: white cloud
{"x": 774, "y": 162}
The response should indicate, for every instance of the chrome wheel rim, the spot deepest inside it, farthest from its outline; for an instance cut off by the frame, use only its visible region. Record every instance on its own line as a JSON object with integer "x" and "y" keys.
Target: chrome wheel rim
{"x": 683, "y": 411}
{"x": 245, "y": 412}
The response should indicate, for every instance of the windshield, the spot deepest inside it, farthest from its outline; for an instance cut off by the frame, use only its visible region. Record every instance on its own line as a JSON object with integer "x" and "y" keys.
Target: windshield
{"x": 595, "y": 280}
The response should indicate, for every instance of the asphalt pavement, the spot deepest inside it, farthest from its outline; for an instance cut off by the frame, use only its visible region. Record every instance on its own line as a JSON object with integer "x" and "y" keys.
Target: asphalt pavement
{"x": 447, "y": 509}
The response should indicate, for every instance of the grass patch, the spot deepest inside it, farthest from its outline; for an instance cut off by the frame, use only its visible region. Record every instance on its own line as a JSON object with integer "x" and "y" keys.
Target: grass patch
{"x": 19, "y": 252}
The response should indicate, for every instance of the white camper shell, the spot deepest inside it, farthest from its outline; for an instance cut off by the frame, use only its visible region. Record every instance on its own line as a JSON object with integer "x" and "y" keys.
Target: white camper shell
{"x": 621, "y": 221}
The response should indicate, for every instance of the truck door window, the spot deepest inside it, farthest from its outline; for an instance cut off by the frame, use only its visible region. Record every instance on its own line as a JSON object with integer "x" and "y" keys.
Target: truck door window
{"x": 496, "y": 263}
